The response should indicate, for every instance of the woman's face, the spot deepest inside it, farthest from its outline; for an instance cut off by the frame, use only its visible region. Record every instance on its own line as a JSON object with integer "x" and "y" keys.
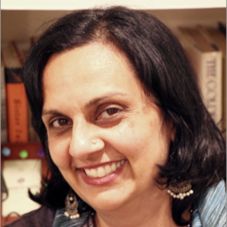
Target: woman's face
{"x": 104, "y": 135}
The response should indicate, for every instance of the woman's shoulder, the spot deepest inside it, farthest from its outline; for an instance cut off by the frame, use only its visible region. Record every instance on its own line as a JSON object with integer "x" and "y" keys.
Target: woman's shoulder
{"x": 42, "y": 217}
{"x": 209, "y": 208}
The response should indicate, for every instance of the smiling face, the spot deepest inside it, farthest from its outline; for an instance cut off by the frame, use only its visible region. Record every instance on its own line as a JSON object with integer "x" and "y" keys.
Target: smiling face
{"x": 104, "y": 135}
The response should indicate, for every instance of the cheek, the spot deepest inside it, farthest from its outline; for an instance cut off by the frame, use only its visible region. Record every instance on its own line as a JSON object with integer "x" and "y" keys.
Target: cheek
{"x": 59, "y": 154}
{"x": 129, "y": 139}
{"x": 136, "y": 139}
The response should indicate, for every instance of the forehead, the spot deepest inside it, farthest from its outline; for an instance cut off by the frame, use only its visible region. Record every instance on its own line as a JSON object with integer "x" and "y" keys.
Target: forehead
{"x": 88, "y": 64}
{"x": 92, "y": 70}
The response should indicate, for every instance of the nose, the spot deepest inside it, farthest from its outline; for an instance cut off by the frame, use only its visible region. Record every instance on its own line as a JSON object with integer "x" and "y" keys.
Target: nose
{"x": 85, "y": 141}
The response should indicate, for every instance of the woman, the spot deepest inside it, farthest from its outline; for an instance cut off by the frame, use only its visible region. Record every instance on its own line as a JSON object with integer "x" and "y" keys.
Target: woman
{"x": 119, "y": 114}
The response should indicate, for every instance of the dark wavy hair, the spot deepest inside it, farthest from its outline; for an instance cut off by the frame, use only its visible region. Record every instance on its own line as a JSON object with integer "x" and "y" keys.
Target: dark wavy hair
{"x": 198, "y": 152}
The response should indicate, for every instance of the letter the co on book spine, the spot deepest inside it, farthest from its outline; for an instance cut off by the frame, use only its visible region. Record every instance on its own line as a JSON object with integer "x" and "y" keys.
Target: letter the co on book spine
{"x": 207, "y": 62}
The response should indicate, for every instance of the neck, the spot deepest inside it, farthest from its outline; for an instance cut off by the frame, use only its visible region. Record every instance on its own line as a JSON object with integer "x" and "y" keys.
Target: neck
{"x": 146, "y": 211}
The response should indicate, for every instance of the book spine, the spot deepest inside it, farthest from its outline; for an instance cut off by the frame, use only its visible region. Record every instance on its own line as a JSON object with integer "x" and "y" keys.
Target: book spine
{"x": 213, "y": 85}
{"x": 208, "y": 67}
{"x": 17, "y": 111}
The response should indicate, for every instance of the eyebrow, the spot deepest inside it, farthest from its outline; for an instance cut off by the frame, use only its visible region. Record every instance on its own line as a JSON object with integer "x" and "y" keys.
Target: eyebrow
{"x": 99, "y": 99}
{"x": 88, "y": 104}
{"x": 51, "y": 112}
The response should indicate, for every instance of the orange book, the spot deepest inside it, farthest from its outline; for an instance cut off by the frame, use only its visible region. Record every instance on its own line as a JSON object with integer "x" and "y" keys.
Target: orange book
{"x": 22, "y": 49}
{"x": 16, "y": 100}
{"x": 17, "y": 111}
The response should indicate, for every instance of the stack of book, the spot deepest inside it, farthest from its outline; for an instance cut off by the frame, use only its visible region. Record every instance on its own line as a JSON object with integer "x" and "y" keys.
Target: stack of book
{"x": 15, "y": 113}
{"x": 206, "y": 49}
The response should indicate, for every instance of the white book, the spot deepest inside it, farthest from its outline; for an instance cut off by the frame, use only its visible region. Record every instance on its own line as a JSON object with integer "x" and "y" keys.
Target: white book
{"x": 207, "y": 62}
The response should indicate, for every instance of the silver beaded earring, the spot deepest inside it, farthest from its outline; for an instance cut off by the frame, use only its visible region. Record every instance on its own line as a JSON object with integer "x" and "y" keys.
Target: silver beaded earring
{"x": 71, "y": 206}
{"x": 180, "y": 190}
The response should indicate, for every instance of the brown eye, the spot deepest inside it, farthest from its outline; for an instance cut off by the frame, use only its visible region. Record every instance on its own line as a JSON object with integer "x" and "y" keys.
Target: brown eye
{"x": 112, "y": 111}
{"x": 108, "y": 113}
{"x": 60, "y": 122}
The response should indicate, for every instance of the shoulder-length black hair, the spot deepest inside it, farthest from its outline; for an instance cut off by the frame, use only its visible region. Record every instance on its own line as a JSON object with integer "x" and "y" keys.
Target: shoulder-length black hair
{"x": 198, "y": 152}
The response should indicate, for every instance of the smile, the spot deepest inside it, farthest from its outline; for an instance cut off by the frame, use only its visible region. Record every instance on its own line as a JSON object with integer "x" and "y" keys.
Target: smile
{"x": 103, "y": 171}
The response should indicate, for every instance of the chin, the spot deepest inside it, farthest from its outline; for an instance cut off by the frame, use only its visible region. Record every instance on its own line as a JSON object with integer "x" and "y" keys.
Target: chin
{"x": 108, "y": 201}
{"x": 108, "y": 205}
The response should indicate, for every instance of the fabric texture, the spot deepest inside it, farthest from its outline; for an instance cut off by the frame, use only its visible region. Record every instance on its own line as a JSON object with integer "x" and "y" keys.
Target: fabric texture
{"x": 208, "y": 211}
{"x": 85, "y": 220}
{"x": 209, "y": 208}
{"x": 42, "y": 217}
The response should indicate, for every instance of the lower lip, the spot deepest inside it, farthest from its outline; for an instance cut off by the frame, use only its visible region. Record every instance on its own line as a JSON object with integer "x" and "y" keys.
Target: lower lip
{"x": 102, "y": 180}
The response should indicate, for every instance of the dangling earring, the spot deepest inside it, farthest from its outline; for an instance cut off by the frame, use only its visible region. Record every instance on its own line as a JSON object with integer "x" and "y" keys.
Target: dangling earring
{"x": 180, "y": 190}
{"x": 71, "y": 205}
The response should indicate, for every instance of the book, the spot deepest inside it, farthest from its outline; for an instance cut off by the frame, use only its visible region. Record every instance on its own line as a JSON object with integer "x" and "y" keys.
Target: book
{"x": 16, "y": 100}
{"x": 4, "y": 130}
{"x": 22, "y": 49}
{"x": 207, "y": 62}
{"x": 215, "y": 36}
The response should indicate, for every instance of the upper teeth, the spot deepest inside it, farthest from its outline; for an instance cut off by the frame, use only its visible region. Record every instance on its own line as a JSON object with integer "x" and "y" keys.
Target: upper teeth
{"x": 103, "y": 170}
